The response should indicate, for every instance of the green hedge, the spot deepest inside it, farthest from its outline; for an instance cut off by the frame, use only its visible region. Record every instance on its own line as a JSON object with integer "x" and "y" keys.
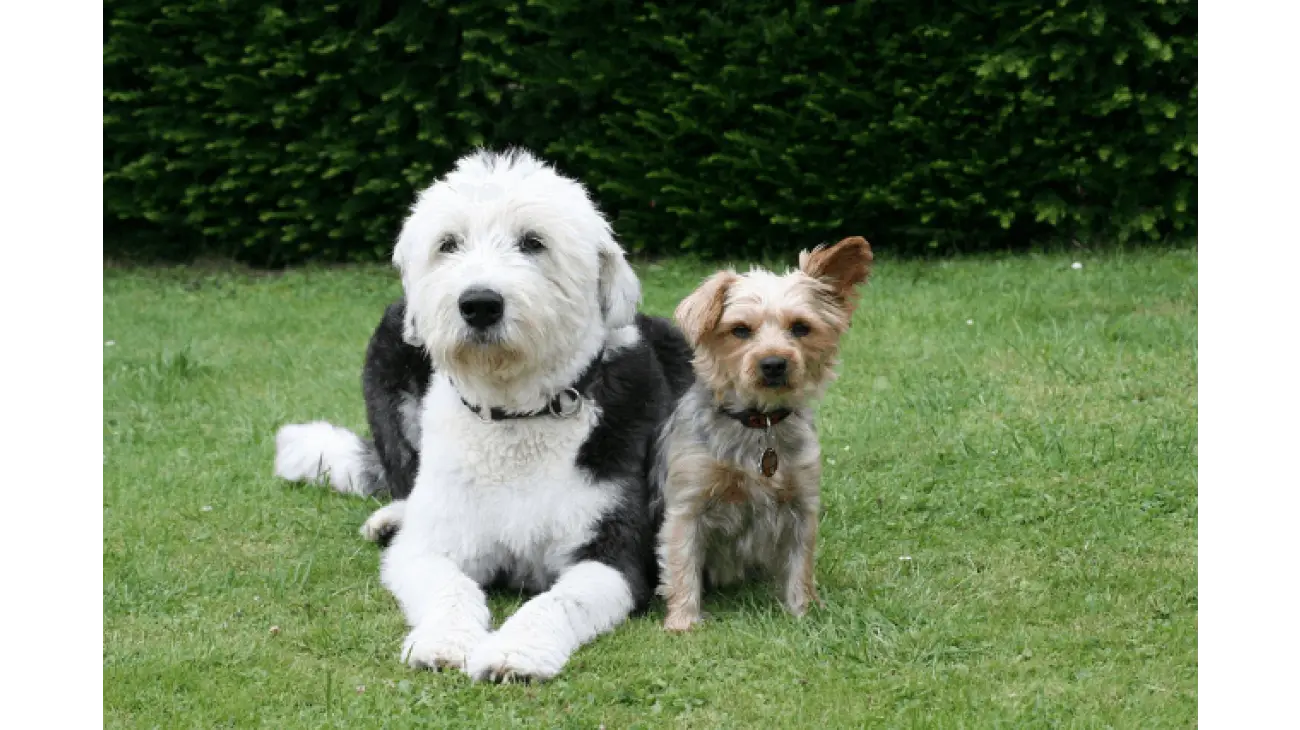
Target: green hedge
{"x": 277, "y": 133}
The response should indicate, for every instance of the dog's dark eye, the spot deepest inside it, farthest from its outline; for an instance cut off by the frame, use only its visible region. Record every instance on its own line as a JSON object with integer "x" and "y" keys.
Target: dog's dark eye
{"x": 531, "y": 243}
{"x": 800, "y": 329}
{"x": 448, "y": 244}
{"x": 742, "y": 331}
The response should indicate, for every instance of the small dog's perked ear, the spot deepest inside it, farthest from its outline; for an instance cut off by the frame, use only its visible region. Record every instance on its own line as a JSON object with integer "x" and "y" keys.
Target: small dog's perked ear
{"x": 620, "y": 290}
{"x": 699, "y": 313}
{"x": 843, "y": 266}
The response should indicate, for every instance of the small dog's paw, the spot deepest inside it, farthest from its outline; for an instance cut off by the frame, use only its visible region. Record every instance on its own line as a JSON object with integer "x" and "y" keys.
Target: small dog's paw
{"x": 681, "y": 621}
{"x": 507, "y": 658}
{"x": 436, "y": 645}
{"x": 798, "y": 601}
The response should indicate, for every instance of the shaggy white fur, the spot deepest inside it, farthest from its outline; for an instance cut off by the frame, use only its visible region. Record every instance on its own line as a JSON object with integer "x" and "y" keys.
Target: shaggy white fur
{"x": 320, "y": 452}
{"x": 506, "y": 499}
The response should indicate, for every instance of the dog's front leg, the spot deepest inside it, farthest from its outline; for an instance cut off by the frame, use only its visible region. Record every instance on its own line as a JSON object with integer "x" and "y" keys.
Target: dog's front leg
{"x": 800, "y": 585}
{"x": 589, "y": 599}
{"x": 446, "y": 609}
{"x": 680, "y": 568}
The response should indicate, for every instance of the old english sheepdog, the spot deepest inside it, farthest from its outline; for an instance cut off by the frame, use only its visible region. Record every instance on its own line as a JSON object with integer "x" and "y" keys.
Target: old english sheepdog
{"x": 514, "y": 396}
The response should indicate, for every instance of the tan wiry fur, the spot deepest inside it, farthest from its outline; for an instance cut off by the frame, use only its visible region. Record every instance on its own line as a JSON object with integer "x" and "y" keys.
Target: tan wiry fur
{"x": 724, "y": 520}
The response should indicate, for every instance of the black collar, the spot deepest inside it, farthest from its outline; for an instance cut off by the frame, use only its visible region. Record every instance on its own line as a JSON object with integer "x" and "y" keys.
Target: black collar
{"x": 563, "y": 404}
{"x": 754, "y": 418}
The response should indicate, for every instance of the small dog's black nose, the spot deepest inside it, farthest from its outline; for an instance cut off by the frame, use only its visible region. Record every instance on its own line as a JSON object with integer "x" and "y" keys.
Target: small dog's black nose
{"x": 773, "y": 369}
{"x": 481, "y": 308}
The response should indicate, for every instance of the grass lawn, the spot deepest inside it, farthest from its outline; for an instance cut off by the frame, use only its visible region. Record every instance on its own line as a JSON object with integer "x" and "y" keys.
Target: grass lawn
{"x": 1009, "y": 536}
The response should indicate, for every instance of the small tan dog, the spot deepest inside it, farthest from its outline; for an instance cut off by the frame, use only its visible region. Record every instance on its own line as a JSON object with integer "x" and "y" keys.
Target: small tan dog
{"x": 739, "y": 465}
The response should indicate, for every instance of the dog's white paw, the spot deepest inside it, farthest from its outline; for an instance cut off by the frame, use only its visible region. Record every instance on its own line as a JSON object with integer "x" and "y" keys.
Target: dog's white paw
{"x": 384, "y": 522}
{"x": 442, "y": 644}
{"x": 510, "y": 657}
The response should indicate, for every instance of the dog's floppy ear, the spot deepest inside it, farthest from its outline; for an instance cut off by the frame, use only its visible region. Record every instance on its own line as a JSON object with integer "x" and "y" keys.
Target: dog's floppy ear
{"x": 409, "y": 335}
{"x": 404, "y": 253}
{"x": 843, "y": 266}
{"x": 620, "y": 290}
{"x": 699, "y": 313}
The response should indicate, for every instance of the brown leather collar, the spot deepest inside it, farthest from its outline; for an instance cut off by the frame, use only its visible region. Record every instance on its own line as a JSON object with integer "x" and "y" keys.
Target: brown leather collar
{"x": 754, "y": 418}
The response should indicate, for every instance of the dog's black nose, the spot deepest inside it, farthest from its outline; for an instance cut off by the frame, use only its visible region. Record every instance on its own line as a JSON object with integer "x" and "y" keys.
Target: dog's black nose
{"x": 481, "y": 308}
{"x": 773, "y": 369}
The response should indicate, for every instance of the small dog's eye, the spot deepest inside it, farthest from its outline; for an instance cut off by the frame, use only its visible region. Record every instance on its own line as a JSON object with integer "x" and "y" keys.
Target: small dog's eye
{"x": 531, "y": 243}
{"x": 800, "y": 329}
{"x": 448, "y": 244}
{"x": 742, "y": 331}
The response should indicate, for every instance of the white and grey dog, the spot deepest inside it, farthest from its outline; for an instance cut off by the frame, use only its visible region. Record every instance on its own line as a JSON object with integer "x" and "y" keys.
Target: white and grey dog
{"x": 517, "y": 392}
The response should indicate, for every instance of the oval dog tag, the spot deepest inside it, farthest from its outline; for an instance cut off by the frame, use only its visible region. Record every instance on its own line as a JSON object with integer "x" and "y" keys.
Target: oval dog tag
{"x": 769, "y": 462}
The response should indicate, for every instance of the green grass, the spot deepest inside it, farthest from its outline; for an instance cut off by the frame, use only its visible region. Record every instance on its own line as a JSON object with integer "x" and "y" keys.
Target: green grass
{"x": 1009, "y": 536}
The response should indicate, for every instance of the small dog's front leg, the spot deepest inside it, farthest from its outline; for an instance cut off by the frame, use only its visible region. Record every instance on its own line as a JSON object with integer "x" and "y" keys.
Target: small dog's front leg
{"x": 800, "y": 585}
{"x": 679, "y": 549}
